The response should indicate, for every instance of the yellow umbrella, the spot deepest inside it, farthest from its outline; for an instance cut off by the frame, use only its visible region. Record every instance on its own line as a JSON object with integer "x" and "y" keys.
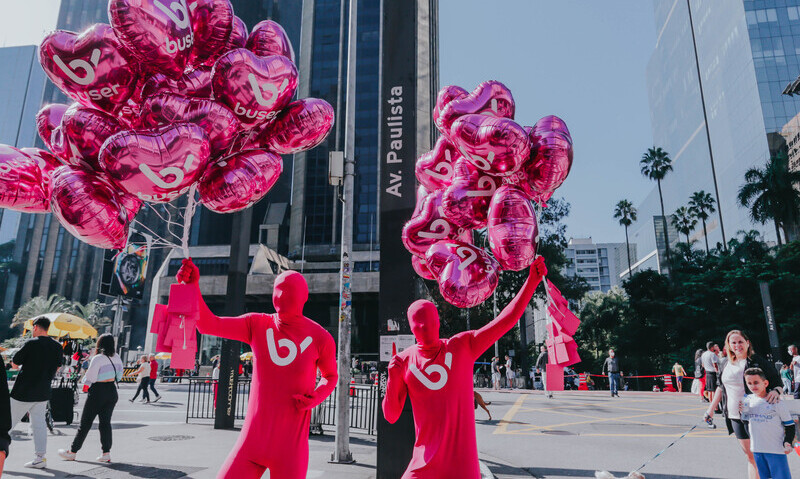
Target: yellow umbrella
{"x": 246, "y": 356}
{"x": 63, "y": 325}
{"x": 164, "y": 356}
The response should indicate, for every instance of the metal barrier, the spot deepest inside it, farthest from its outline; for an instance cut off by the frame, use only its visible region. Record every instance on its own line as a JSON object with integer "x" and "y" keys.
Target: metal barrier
{"x": 363, "y": 404}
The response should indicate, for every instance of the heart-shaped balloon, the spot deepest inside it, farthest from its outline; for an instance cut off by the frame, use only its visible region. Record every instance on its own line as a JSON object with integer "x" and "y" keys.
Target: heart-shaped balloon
{"x": 21, "y": 185}
{"x": 512, "y": 228}
{"x": 89, "y": 208}
{"x": 47, "y": 163}
{"x": 48, "y": 119}
{"x": 237, "y": 39}
{"x": 255, "y": 88}
{"x": 90, "y": 68}
{"x": 497, "y": 146}
{"x": 128, "y": 114}
{"x": 429, "y": 226}
{"x": 239, "y": 180}
{"x": 269, "y": 38}
{"x": 219, "y": 123}
{"x": 434, "y": 169}
{"x": 422, "y": 193}
{"x": 156, "y": 165}
{"x": 194, "y": 83}
{"x": 551, "y": 123}
{"x": 489, "y": 98}
{"x": 466, "y": 200}
{"x": 445, "y": 96}
{"x": 302, "y": 125}
{"x": 550, "y": 159}
{"x": 465, "y": 273}
{"x": 212, "y": 23}
{"x": 421, "y": 267}
{"x": 82, "y": 133}
{"x": 157, "y": 32}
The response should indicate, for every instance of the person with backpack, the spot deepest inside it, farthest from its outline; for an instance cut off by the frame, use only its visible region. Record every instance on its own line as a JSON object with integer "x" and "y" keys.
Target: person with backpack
{"x": 105, "y": 370}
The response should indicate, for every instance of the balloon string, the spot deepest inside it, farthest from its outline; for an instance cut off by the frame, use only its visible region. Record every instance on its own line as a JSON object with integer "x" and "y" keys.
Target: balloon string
{"x": 191, "y": 205}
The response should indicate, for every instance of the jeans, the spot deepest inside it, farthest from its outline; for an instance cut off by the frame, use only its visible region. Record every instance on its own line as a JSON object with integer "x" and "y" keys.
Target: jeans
{"x": 143, "y": 389}
{"x": 613, "y": 382}
{"x": 37, "y": 411}
{"x": 100, "y": 403}
{"x": 153, "y": 386}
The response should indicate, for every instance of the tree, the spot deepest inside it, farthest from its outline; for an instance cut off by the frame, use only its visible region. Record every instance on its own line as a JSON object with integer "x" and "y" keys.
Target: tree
{"x": 684, "y": 221}
{"x": 93, "y": 312}
{"x": 626, "y": 214}
{"x": 702, "y": 205}
{"x": 655, "y": 164}
{"x": 771, "y": 194}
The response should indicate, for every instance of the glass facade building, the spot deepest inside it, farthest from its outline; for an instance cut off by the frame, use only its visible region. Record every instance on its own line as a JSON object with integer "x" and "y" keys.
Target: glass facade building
{"x": 746, "y": 56}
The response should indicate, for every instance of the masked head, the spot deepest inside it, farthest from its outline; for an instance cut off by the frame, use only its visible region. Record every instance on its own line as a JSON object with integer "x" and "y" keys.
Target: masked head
{"x": 424, "y": 320}
{"x": 290, "y": 293}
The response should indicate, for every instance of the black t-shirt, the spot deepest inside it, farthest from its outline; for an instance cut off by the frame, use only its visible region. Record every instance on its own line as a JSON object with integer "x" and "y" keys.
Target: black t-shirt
{"x": 40, "y": 358}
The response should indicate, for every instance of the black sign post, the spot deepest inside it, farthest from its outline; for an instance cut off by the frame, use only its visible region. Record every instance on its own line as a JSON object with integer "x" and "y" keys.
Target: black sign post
{"x": 769, "y": 316}
{"x": 397, "y": 199}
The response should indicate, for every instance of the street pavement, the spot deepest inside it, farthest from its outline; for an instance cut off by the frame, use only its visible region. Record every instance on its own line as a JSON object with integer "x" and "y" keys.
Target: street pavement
{"x": 572, "y": 435}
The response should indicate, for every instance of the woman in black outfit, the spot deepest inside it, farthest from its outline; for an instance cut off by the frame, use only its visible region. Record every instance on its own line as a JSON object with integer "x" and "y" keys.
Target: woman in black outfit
{"x": 731, "y": 388}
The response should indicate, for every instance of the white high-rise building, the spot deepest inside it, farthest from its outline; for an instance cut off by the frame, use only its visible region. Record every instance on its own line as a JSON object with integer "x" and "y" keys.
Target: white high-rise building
{"x": 600, "y": 264}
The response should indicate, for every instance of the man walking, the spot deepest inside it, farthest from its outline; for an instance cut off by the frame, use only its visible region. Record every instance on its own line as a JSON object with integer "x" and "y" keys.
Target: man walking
{"x": 154, "y": 376}
{"x": 40, "y": 358}
{"x": 611, "y": 367}
{"x": 541, "y": 368}
{"x": 795, "y": 367}
{"x": 509, "y": 373}
{"x": 496, "y": 373}
{"x": 711, "y": 362}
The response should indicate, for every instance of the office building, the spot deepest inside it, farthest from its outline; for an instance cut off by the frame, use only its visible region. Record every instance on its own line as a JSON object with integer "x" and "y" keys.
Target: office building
{"x": 602, "y": 265}
{"x": 747, "y": 53}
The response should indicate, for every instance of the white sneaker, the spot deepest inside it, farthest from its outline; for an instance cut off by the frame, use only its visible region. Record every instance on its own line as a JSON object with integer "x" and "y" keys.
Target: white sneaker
{"x": 66, "y": 454}
{"x": 106, "y": 457}
{"x": 38, "y": 462}
{"x": 144, "y": 401}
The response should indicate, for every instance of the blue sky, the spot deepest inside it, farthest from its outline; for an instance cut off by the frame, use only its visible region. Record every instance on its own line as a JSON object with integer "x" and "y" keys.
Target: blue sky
{"x": 581, "y": 60}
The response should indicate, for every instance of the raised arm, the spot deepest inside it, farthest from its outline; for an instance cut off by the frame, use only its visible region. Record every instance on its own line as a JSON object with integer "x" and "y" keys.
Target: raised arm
{"x": 236, "y": 328}
{"x": 489, "y": 334}
{"x": 328, "y": 377}
{"x": 396, "y": 391}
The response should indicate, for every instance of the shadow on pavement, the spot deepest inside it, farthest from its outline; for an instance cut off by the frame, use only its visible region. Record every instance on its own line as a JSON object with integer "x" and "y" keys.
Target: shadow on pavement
{"x": 559, "y": 472}
{"x": 353, "y": 440}
{"x": 118, "y": 470}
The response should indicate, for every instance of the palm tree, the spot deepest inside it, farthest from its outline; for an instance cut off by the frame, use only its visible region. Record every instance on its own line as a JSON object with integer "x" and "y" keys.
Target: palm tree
{"x": 40, "y": 305}
{"x": 701, "y": 204}
{"x": 684, "y": 221}
{"x": 771, "y": 194}
{"x": 626, "y": 213}
{"x": 655, "y": 164}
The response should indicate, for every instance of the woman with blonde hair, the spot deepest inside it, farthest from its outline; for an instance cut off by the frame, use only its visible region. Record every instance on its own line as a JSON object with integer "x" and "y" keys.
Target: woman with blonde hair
{"x": 732, "y": 388}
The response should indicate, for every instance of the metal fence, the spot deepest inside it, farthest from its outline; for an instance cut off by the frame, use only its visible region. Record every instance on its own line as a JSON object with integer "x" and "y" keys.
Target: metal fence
{"x": 363, "y": 405}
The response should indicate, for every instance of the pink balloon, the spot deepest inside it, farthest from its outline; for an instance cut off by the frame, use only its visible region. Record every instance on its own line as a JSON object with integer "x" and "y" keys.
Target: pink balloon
{"x": 302, "y": 125}
{"x": 489, "y": 98}
{"x": 82, "y": 133}
{"x": 445, "y": 96}
{"x": 89, "y": 208}
{"x": 237, "y": 39}
{"x": 90, "y": 68}
{"x": 512, "y": 228}
{"x": 422, "y": 193}
{"x": 497, "y": 146}
{"x": 255, "y": 88}
{"x": 194, "y": 83}
{"x": 466, "y": 200}
{"x": 434, "y": 169}
{"x": 429, "y": 226}
{"x": 269, "y": 38}
{"x": 157, "y": 32}
{"x": 212, "y": 23}
{"x": 551, "y": 123}
{"x": 128, "y": 114}
{"x": 421, "y": 267}
{"x": 48, "y": 119}
{"x": 21, "y": 185}
{"x": 47, "y": 163}
{"x": 239, "y": 181}
{"x": 550, "y": 159}
{"x": 465, "y": 273}
{"x": 156, "y": 165}
{"x": 219, "y": 123}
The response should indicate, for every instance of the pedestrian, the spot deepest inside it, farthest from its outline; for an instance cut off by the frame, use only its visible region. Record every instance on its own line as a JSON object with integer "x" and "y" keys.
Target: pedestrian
{"x": 795, "y": 366}
{"x": 509, "y": 373}
{"x": 40, "y": 358}
{"x": 699, "y": 383}
{"x": 144, "y": 379}
{"x": 732, "y": 388}
{"x": 770, "y": 427}
{"x": 541, "y": 368}
{"x": 711, "y": 366}
{"x": 5, "y": 422}
{"x": 611, "y": 367}
{"x": 786, "y": 377}
{"x": 154, "y": 376}
{"x": 100, "y": 381}
{"x": 679, "y": 373}
{"x": 496, "y": 372}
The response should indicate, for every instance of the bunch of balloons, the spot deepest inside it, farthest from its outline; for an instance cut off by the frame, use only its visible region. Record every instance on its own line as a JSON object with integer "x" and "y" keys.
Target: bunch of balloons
{"x": 485, "y": 171}
{"x": 172, "y": 96}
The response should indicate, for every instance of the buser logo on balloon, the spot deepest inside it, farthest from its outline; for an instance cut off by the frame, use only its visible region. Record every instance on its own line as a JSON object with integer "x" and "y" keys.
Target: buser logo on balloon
{"x": 284, "y": 343}
{"x": 270, "y": 88}
{"x": 433, "y": 369}
{"x": 175, "y": 7}
{"x": 158, "y": 178}
{"x": 79, "y": 63}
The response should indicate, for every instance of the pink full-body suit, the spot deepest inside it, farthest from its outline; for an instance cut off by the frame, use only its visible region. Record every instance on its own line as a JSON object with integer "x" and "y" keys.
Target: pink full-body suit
{"x": 288, "y": 348}
{"x": 437, "y": 375}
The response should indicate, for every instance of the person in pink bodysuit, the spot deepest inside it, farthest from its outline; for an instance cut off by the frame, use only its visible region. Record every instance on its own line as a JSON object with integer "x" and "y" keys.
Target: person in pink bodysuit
{"x": 437, "y": 375}
{"x": 288, "y": 348}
